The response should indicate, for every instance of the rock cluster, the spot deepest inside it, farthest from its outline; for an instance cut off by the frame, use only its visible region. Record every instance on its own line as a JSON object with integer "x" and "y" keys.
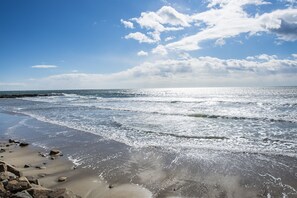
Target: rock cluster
{"x": 14, "y": 184}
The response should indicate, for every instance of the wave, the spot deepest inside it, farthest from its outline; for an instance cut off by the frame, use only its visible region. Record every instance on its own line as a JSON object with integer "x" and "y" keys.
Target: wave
{"x": 199, "y": 115}
{"x": 111, "y": 96}
{"x": 196, "y": 115}
{"x": 188, "y": 136}
{"x": 239, "y": 118}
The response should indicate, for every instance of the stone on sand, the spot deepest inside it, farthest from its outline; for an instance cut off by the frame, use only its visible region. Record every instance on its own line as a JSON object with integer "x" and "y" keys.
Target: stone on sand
{"x": 23, "y": 144}
{"x": 17, "y": 185}
{"x": 62, "y": 179}
{"x": 23, "y": 194}
{"x": 27, "y": 165}
{"x": 55, "y": 152}
{"x": 32, "y": 180}
{"x": 38, "y": 191}
{"x": 13, "y": 170}
{"x": 2, "y": 189}
{"x": 62, "y": 192}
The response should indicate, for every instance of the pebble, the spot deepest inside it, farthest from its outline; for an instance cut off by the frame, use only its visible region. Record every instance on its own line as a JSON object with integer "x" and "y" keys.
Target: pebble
{"x": 62, "y": 179}
{"x": 23, "y": 144}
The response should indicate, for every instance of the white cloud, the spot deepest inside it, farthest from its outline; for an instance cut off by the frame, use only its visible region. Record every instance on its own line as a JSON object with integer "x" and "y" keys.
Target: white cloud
{"x": 127, "y": 24}
{"x": 169, "y": 38}
{"x": 224, "y": 19}
{"x": 161, "y": 50}
{"x": 220, "y": 42}
{"x": 266, "y": 57}
{"x": 294, "y": 55}
{"x": 283, "y": 23}
{"x": 44, "y": 66}
{"x": 11, "y": 84}
{"x": 165, "y": 19}
{"x": 155, "y": 35}
{"x": 142, "y": 53}
{"x": 230, "y": 20}
{"x": 189, "y": 71}
{"x": 170, "y": 16}
{"x": 141, "y": 38}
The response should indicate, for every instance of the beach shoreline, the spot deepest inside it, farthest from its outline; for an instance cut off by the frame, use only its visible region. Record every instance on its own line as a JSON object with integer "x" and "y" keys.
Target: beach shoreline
{"x": 56, "y": 172}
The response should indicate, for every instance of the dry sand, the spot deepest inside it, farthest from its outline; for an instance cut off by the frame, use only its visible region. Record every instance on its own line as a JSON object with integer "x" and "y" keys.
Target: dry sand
{"x": 80, "y": 181}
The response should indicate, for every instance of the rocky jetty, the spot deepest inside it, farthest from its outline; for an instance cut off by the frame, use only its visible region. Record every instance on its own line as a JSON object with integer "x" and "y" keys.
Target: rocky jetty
{"x": 23, "y": 95}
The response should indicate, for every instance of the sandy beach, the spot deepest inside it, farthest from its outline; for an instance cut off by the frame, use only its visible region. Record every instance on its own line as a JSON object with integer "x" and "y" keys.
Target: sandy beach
{"x": 55, "y": 172}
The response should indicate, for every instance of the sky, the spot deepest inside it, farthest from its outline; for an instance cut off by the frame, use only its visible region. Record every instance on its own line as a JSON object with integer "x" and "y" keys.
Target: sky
{"x": 96, "y": 44}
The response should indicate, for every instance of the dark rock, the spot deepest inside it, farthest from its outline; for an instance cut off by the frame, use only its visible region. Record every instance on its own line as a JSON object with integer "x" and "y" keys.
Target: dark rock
{"x": 62, "y": 179}
{"x": 7, "y": 145}
{"x": 27, "y": 166}
{"x": 55, "y": 152}
{"x": 40, "y": 167}
{"x": 41, "y": 175}
{"x": 23, "y": 194}
{"x": 11, "y": 141}
{"x": 62, "y": 193}
{"x": 32, "y": 180}
{"x": 2, "y": 189}
{"x": 23, "y": 144}
{"x": 110, "y": 186}
{"x": 2, "y": 150}
{"x": 18, "y": 185}
{"x": 42, "y": 154}
{"x": 11, "y": 177}
{"x": 3, "y": 167}
{"x": 13, "y": 170}
{"x": 39, "y": 192}
{"x": 4, "y": 176}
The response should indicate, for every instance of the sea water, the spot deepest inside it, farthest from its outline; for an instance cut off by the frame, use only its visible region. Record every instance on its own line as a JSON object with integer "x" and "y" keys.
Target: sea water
{"x": 195, "y": 123}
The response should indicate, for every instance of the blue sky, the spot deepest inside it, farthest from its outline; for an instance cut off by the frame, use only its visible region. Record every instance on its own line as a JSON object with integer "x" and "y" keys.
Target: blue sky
{"x": 68, "y": 44}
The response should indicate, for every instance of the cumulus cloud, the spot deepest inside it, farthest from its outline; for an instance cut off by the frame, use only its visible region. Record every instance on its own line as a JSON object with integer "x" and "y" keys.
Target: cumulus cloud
{"x": 190, "y": 71}
{"x": 169, "y": 38}
{"x": 283, "y": 23}
{"x": 222, "y": 20}
{"x": 141, "y": 38}
{"x": 142, "y": 53}
{"x": 127, "y": 24}
{"x": 161, "y": 50}
{"x": 231, "y": 19}
{"x": 294, "y": 55}
{"x": 44, "y": 66}
{"x": 220, "y": 42}
{"x": 165, "y": 19}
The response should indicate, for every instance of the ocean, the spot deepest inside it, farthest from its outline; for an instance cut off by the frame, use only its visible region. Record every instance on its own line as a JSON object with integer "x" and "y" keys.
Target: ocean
{"x": 248, "y": 135}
